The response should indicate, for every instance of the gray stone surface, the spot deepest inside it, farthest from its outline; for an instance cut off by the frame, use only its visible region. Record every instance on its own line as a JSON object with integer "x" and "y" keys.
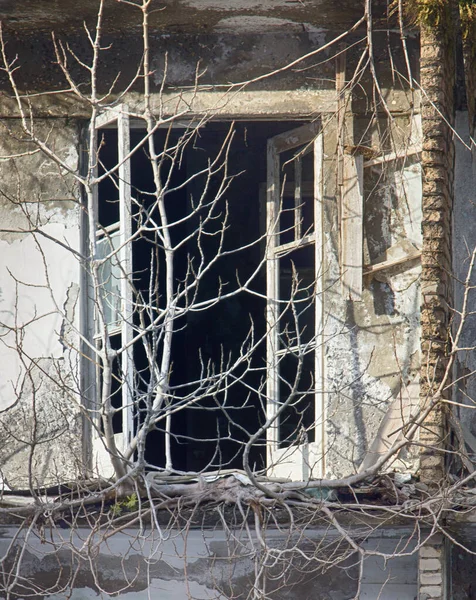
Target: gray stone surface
{"x": 209, "y": 564}
{"x": 181, "y": 14}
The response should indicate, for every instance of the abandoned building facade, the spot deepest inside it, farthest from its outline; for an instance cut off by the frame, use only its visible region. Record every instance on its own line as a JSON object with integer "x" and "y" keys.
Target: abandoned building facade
{"x": 236, "y": 257}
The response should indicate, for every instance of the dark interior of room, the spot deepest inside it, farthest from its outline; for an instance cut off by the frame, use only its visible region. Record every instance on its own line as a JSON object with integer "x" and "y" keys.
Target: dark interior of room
{"x": 209, "y": 432}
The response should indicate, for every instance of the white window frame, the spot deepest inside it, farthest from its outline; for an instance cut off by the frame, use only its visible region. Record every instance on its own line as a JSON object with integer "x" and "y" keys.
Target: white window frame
{"x": 118, "y": 117}
{"x": 300, "y": 461}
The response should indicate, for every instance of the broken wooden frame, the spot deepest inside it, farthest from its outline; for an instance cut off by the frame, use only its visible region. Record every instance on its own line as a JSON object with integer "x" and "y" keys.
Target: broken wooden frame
{"x": 352, "y": 216}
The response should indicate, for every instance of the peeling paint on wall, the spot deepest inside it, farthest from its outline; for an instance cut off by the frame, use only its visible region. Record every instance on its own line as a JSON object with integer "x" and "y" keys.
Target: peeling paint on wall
{"x": 39, "y": 310}
{"x": 373, "y": 345}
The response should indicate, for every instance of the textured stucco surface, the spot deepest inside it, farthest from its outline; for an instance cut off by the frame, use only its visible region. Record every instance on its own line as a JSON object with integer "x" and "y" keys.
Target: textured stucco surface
{"x": 372, "y": 352}
{"x": 39, "y": 306}
{"x": 371, "y": 346}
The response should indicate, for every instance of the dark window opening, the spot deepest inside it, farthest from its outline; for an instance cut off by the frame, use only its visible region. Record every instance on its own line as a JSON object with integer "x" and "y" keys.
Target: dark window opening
{"x": 116, "y": 387}
{"x": 211, "y": 432}
{"x": 296, "y": 424}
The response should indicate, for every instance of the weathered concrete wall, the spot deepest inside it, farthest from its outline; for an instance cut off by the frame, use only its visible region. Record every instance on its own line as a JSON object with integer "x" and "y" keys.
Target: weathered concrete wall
{"x": 372, "y": 348}
{"x": 209, "y": 564}
{"x": 179, "y": 15}
{"x": 39, "y": 306}
{"x": 216, "y": 58}
{"x": 236, "y": 51}
{"x": 462, "y": 564}
{"x": 464, "y": 242}
{"x": 372, "y": 351}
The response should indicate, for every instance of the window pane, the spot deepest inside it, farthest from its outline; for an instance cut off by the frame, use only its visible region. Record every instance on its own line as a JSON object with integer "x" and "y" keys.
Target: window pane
{"x": 287, "y": 220}
{"x": 296, "y": 194}
{"x": 297, "y": 286}
{"x": 110, "y": 279}
{"x": 116, "y": 386}
{"x": 307, "y": 200}
{"x": 296, "y": 385}
{"x": 108, "y": 206}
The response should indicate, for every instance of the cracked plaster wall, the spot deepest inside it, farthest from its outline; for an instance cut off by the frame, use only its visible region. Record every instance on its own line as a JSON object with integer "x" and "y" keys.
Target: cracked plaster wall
{"x": 372, "y": 350}
{"x": 39, "y": 307}
{"x": 372, "y": 346}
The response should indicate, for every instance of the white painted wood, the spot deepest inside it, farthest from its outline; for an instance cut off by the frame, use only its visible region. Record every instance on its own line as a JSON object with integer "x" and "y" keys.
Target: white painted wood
{"x": 306, "y": 240}
{"x": 390, "y": 156}
{"x": 388, "y": 264}
{"x": 109, "y": 117}
{"x": 125, "y": 213}
{"x": 98, "y": 451}
{"x": 319, "y": 396}
{"x": 119, "y": 117}
{"x": 272, "y": 295}
{"x": 398, "y": 254}
{"x": 299, "y": 461}
{"x": 352, "y": 227}
{"x": 298, "y": 199}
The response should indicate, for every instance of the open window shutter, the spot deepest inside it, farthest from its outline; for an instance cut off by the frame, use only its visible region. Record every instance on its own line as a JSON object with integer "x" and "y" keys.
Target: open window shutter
{"x": 352, "y": 268}
{"x": 119, "y": 118}
{"x": 301, "y": 457}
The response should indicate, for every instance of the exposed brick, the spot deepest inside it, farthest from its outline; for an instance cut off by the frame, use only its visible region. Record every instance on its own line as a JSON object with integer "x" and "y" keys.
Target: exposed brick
{"x": 434, "y": 230}
{"x": 431, "y": 579}
{"x": 434, "y": 128}
{"x": 436, "y": 196}
{"x": 435, "y": 172}
{"x": 431, "y": 47}
{"x": 436, "y": 214}
{"x": 430, "y": 564}
{"x": 436, "y": 540}
{"x": 437, "y": 110}
{"x": 430, "y": 592}
{"x": 436, "y": 419}
{"x": 437, "y": 159}
{"x": 428, "y": 430}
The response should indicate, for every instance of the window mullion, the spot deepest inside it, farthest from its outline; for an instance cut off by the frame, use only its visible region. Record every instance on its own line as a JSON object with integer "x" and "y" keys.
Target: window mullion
{"x": 272, "y": 287}
{"x": 319, "y": 394}
{"x": 297, "y": 199}
{"x": 124, "y": 172}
